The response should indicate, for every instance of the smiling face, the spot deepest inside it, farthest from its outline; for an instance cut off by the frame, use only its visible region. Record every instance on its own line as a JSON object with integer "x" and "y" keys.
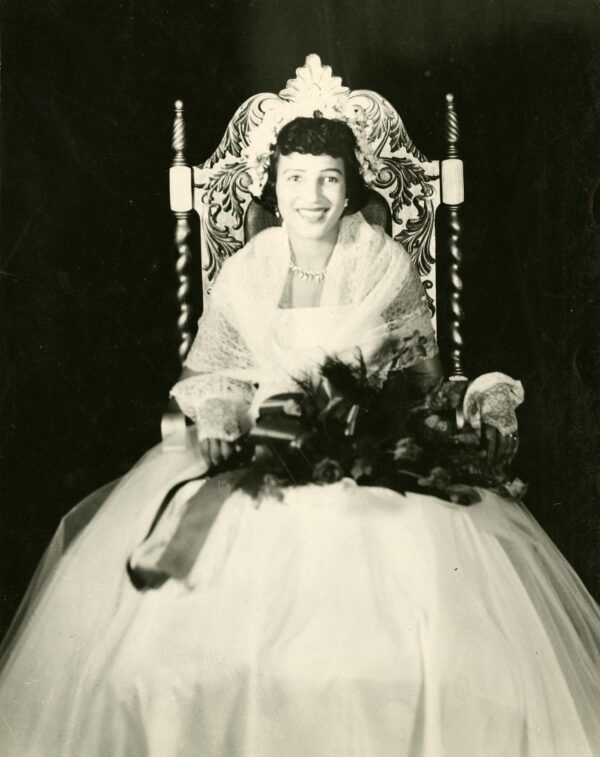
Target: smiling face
{"x": 311, "y": 195}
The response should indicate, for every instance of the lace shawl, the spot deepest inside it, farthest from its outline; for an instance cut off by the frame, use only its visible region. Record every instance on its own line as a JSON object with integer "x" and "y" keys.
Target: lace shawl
{"x": 385, "y": 315}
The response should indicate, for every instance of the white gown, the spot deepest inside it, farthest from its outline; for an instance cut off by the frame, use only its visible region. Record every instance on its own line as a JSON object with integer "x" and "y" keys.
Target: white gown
{"x": 344, "y": 621}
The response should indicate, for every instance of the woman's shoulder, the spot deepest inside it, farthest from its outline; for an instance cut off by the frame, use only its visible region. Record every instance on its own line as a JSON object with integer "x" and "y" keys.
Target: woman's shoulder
{"x": 372, "y": 244}
{"x": 258, "y": 250}
{"x": 251, "y": 268}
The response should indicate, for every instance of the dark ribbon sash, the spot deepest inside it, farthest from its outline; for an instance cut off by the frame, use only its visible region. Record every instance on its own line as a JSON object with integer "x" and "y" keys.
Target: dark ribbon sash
{"x": 274, "y": 426}
{"x": 182, "y": 550}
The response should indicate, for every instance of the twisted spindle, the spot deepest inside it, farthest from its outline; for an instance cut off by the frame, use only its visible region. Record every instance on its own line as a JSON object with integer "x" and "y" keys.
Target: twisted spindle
{"x": 182, "y": 266}
{"x": 181, "y": 204}
{"x": 451, "y": 128}
{"x": 456, "y": 286}
{"x": 178, "y": 141}
{"x": 452, "y": 198}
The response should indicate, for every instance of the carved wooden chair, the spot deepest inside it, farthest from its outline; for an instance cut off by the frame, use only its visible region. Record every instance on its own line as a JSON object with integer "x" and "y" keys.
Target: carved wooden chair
{"x": 410, "y": 190}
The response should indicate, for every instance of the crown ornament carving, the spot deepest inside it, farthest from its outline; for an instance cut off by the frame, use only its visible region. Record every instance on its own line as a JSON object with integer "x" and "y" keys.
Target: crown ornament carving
{"x": 314, "y": 82}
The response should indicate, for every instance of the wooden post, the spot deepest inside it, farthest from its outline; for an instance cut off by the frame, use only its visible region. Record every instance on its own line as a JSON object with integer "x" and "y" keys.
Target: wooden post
{"x": 450, "y": 232}
{"x": 180, "y": 184}
{"x": 173, "y": 425}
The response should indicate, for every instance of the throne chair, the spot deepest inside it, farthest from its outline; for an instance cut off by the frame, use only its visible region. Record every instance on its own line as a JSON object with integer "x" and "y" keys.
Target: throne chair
{"x": 408, "y": 193}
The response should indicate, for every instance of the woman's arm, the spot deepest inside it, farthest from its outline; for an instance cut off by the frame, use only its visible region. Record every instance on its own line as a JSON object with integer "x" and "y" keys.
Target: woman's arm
{"x": 501, "y": 447}
{"x": 213, "y": 450}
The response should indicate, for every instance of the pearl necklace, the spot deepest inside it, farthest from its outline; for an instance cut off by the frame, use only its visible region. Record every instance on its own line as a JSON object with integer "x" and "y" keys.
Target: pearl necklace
{"x": 308, "y": 275}
{"x": 318, "y": 276}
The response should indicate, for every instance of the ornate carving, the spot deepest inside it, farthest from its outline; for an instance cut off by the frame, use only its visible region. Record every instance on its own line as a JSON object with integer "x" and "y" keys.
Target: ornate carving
{"x": 313, "y": 77}
{"x": 409, "y": 182}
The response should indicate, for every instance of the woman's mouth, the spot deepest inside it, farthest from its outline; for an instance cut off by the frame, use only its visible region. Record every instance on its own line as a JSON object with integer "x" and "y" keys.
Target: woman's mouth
{"x": 312, "y": 214}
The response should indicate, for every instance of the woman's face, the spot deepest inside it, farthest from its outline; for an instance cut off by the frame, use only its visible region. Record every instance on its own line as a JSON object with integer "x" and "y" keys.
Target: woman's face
{"x": 311, "y": 194}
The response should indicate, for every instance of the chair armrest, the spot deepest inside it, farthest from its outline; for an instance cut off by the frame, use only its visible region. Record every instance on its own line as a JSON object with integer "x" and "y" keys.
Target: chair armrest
{"x": 173, "y": 428}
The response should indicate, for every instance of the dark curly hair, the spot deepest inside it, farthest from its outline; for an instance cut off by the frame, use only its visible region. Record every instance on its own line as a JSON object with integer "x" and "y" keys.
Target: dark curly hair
{"x": 318, "y": 136}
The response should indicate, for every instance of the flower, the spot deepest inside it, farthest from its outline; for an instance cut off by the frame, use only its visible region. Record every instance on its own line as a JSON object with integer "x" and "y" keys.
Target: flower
{"x": 291, "y": 407}
{"x": 362, "y": 466}
{"x": 435, "y": 423}
{"x": 516, "y": 488}
{"x": 271, "y": 486}
{"x": 462, "y": 495}
{"x": 327, "y": 471}
{"x": 407, "y": 449}
{"x": 438, "y": 478}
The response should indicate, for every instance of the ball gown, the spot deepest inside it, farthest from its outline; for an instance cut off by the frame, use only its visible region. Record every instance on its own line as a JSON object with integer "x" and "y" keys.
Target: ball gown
{"x": 340, "y": 621}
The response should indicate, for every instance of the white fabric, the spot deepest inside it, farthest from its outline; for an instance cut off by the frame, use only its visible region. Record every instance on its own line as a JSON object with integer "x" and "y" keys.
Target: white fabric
{"x": 493, "y": 397}
{"x": 343, "y": 621}
{"x": 378, "y": 299}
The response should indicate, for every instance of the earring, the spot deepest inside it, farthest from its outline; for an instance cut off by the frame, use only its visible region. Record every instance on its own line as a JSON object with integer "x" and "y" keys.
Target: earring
{"x": 346, "y": 202}
{"x": 277, "y": 213}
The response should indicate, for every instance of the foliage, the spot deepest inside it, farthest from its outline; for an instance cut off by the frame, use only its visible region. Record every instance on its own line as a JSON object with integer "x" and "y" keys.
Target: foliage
{"x": 379, "y": 433}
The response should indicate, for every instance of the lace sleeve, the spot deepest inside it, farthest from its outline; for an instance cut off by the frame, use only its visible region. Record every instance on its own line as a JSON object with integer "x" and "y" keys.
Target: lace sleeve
{"x": 217, "y": 403}
{"x": 493, "y": 398}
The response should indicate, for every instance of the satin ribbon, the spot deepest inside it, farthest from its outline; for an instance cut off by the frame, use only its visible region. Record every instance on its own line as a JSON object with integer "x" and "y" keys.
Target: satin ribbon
{"x": 181, "y": 551}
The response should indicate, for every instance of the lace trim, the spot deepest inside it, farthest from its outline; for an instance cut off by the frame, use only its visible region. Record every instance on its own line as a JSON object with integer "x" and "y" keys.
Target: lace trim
{"x": 493, "y": 398}
{"x": 217, "y": 405}
{"x": 217, "y": 418}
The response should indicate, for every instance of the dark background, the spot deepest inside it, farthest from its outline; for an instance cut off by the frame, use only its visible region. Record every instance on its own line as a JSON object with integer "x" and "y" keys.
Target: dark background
{"x": 88, "y": 308}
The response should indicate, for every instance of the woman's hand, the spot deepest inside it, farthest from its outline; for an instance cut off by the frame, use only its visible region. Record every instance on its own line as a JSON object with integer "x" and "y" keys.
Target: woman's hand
{"x": 501, "y": 448}
{"x": 215, "y": 451}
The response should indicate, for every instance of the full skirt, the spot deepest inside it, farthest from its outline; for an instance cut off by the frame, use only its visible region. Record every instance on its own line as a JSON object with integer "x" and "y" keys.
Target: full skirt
{"x": 340, "y": 621}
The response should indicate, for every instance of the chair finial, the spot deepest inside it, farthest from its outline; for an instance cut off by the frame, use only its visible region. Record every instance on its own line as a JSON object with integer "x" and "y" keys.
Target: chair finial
{"x": 451, "y": 128}
{"x": 178, "y": 142}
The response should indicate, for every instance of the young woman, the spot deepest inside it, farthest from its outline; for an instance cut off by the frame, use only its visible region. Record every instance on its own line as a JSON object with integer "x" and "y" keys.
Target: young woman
{"x": 341, "y": 620}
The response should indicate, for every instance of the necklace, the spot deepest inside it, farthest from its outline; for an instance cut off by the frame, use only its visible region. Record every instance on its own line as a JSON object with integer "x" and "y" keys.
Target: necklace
{"x": 308, "y": 275}
{"x": 318, "y": 276}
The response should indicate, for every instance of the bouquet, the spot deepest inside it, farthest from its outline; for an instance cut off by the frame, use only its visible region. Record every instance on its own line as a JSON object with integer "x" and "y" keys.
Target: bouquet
{"x": 352, "y": 425}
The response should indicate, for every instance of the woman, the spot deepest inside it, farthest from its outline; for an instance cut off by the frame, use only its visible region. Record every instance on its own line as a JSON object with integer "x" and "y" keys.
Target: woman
{"x": 342, "y": 620}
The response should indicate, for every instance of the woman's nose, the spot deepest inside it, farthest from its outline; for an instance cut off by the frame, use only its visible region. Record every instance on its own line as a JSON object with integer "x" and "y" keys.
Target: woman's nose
{"x": 312, "y": 190}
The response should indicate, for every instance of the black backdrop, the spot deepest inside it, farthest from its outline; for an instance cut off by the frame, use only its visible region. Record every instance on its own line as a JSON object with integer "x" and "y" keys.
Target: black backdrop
{"x": 89, "y": 348}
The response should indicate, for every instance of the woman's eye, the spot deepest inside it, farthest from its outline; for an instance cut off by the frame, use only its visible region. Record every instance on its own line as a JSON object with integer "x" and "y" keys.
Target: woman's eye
{"x": 294, "y": 177}
{"x": 332, "y": 180}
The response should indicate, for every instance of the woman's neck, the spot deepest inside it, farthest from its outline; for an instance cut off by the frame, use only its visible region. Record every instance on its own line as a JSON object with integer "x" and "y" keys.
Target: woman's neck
{"x": 312, "y": 254}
